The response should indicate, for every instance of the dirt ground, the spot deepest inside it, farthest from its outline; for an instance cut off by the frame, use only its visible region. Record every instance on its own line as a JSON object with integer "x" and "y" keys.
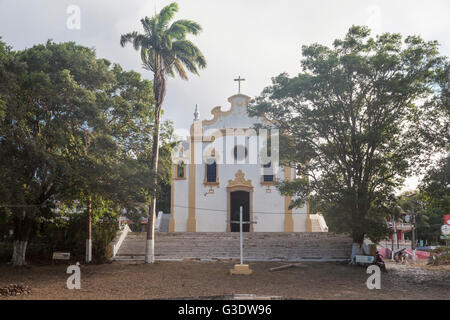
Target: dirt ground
{"x": 191, "y": 279}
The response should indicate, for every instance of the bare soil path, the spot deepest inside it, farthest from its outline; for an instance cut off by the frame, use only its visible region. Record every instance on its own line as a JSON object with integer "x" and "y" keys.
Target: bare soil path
{"x": 190, "y": 279}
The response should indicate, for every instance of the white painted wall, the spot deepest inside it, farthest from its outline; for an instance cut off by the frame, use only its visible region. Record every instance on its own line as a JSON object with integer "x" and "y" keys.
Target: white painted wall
{"x": 211, "y": 208}
{"x": 299, "y": 214}
{"x": 181, "y": 202}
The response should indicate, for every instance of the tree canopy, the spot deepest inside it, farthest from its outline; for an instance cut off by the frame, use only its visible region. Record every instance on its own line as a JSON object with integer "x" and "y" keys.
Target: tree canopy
{"x": 72, "y": 126}
{"x": 353, "y": 118}
{"x": 433, "y": 201}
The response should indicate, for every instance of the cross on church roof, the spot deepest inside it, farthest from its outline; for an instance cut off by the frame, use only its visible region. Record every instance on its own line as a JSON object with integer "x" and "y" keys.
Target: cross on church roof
{"x": 239, "y": 81}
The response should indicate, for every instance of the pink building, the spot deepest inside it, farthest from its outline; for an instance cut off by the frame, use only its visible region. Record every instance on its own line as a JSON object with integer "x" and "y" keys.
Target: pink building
{"x": 398, "y": 230}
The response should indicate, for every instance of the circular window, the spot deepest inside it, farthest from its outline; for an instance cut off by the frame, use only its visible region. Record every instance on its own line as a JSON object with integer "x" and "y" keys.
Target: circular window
{"x": 240, "y": 152}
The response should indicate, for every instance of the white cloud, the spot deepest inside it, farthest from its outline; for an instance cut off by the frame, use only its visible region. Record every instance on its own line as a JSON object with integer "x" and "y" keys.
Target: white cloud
{"x": 374, "y": 20}
{"x": 253, "y": 38}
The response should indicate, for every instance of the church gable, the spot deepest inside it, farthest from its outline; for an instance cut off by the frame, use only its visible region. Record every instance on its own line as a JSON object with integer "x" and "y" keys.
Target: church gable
{"x": 219, "y": 171}
{"x": 236, "y": 117}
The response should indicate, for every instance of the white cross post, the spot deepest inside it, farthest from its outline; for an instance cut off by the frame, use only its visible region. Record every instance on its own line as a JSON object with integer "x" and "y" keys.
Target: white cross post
{"x": 239, "y": 79}
{"x": 241, "y": 268}
{"x": 240, "y": 235}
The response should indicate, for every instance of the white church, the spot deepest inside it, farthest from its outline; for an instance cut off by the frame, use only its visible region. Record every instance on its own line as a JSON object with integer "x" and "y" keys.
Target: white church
{"x": 219, "y": 168}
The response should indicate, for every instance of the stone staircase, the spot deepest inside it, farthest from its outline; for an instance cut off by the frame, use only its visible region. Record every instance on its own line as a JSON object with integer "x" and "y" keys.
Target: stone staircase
{"x": 258, "y": 246}
{"x": 315, "y": 226}
{"x": 318, "y": 223}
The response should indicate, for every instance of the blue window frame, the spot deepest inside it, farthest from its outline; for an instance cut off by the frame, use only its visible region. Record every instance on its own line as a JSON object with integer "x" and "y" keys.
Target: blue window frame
{"x": 211, "y": 172}
{"x": 267, "y": 177}
{"x": 180, "y": 170}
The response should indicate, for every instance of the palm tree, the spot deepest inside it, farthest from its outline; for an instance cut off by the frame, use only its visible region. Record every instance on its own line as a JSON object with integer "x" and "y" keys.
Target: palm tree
{"x": 164, "y": 51}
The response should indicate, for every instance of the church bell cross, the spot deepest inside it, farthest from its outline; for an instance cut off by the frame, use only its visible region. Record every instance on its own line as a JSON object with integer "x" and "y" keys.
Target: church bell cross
{"x": 239, "y": 79}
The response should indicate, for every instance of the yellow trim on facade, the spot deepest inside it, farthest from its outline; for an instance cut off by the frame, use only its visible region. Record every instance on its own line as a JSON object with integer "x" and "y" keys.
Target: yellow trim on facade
{"x": 308, "y": 216}
{"x": 308, "y": 221}
{"x": 267, "y": 183}
{"x": 172, "y": 200}
{"x": 191, "y": 221}
{"x": 288, "y": 219}
{"x": 217, "y": 111}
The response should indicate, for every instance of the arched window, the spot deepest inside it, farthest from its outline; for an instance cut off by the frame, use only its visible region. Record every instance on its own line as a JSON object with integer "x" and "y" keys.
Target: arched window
{"x": 180, "y": 170}
{"x": 211, "y": 171}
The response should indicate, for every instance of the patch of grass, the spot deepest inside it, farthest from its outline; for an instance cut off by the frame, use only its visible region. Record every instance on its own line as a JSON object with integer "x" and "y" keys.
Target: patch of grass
{"x": 441, "y": 256}
{"x": 442, "y": 260}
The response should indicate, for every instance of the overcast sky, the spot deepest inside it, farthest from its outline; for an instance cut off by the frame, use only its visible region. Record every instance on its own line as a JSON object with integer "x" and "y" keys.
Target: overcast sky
{"x": 257, "y": 39}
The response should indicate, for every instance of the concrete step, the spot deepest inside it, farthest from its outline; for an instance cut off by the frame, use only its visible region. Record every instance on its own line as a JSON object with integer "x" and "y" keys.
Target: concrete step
{"x": 257, "y": 246}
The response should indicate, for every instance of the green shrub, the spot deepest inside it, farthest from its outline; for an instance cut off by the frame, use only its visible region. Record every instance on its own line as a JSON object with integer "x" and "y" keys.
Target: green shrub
{"x": 440, "y": 250}
{"x": 6, "y": 251}
{"x": 66, "y": 233}
{"x": 443, "y": 259}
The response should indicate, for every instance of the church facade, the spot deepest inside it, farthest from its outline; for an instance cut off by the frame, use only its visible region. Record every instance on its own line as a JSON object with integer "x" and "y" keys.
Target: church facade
{"x": 219, "y": 169}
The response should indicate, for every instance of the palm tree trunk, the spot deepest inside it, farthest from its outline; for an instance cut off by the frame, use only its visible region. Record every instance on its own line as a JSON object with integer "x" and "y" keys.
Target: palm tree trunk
{"x": 159, "y": 88}
{"x": 89, "y": 233}
{"x": 150, "y": 245}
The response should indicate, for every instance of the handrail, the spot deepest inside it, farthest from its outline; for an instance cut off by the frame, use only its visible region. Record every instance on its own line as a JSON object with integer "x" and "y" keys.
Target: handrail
{"x": 322, "y": 222}
{"x": 122, "y": 237}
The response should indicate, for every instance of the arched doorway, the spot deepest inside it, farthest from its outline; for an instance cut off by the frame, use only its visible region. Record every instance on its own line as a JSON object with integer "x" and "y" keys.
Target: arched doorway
{"x": 238, "y": 199}
{"x": 240, "y": 193}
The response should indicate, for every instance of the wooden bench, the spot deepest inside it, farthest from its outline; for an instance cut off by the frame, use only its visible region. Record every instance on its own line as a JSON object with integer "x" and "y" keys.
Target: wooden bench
{"x": 61, "y": 256}
{"x": 364, "y": 259}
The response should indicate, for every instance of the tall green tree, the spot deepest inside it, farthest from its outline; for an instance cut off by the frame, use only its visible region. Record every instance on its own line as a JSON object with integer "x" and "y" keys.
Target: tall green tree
{"x": 50, "y": 102}
{"x": 435, "y": 195}
{"x": 351, "y": 116}
{"x": 435, "y": 127}
{"x": 71, "y": 127}
{"x": 165, "y": 51}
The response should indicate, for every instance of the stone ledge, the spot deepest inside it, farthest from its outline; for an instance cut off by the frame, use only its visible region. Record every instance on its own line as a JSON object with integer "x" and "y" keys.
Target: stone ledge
{"x": 243, "y": 269}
